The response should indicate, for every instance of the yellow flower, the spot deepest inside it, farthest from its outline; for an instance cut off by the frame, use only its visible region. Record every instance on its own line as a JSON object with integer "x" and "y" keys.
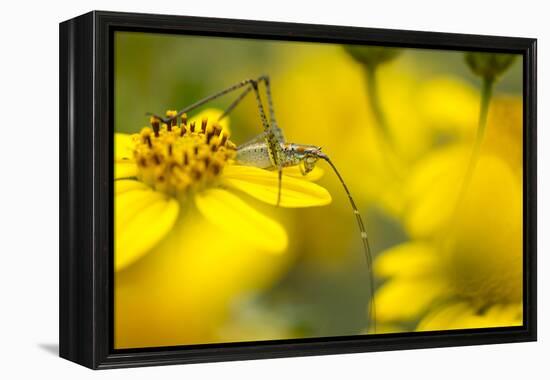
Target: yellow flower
{"x": 195, "y": 161}
{"x": 329, "y": 88}
{"x": 188, "y": 237}
{"x": 463, "y": 266}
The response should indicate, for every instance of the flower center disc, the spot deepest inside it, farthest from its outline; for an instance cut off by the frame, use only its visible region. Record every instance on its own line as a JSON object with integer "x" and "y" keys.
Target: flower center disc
{"x": 178, "y": 156}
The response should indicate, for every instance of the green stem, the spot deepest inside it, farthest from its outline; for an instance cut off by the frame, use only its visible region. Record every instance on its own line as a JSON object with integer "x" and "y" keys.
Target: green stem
{"x": 486, "y": 93}
{"x": 374, "y": 100}
{"x": 393, "y": 159}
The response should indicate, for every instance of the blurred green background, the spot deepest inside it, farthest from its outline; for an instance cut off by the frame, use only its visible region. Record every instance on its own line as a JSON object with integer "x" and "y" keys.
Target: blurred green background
{"x": 155, "y": 72}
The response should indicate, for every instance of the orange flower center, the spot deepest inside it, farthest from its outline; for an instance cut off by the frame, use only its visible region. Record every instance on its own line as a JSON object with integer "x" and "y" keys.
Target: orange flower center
{"x": 176, "y": 156}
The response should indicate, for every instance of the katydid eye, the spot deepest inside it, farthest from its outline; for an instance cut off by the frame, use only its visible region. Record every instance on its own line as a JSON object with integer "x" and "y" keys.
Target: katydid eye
{"x": 311, "y": 160}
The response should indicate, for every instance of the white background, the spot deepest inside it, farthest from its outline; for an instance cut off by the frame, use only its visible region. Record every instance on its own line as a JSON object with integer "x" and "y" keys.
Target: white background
{"x": 29, "y": 188}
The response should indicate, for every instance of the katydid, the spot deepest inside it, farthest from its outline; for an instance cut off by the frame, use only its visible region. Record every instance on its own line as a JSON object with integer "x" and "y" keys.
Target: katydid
{"x": 269, "y": 150}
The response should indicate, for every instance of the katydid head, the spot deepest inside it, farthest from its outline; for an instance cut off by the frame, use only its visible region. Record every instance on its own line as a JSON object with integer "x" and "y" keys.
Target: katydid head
{"x": 310, "y": 160}
{"x": 305, "y": 156}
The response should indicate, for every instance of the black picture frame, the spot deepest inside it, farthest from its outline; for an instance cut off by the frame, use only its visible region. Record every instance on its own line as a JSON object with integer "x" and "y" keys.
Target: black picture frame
{"x": 86, "y": 201}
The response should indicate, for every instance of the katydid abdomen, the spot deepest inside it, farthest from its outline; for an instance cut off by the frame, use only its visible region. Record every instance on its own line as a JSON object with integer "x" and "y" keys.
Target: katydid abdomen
{"x": 256, "y": 153}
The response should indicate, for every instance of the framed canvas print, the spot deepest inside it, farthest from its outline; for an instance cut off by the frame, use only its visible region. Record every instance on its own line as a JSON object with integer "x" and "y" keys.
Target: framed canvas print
{"x": 238, "y": 189}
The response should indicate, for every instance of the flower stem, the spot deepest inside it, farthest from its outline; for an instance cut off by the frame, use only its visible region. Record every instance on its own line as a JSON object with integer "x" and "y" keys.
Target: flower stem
{"x": 486, "y": 94}
{"x": 374, "y": 100}
{"x": 392, "y": 158}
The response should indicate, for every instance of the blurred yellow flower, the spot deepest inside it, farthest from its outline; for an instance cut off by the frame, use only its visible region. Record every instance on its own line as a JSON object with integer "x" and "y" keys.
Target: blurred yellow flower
{"x": 329, "y": 89}
{"x": 432, "y": 188}
{"x": 463, "y": 267}
{"x": 186, "y": 241}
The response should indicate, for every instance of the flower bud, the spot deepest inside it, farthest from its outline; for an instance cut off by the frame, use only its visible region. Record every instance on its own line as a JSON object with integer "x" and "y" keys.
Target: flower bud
{"x": 489, "y": 65}
{"x": 372, "y": 55}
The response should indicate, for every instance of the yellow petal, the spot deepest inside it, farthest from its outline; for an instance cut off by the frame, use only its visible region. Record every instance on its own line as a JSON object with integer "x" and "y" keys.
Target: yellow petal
{"x": 264, "y": 185}
{"x": 142, "y": 218}
{"x": 124, "y": 148}
{"x": 432, "y": 190}
{"x": 387, "y": 328}
{"x": 413, "y": 259}
{"x": 504, "y": 134}
{"x": 232, "y": 214}
{"x": 485, "y": 245}
{"x": 125, "y": 170}
{"x": 443, "y": 318}
{"x": 169, "y": 296}
{"x": 462, "y": 316}
{"x": 405, "y": 299}
{"x": 123, "y": 186}
{"x": 449, "y": 104}
{"x": 504, "y": 315}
